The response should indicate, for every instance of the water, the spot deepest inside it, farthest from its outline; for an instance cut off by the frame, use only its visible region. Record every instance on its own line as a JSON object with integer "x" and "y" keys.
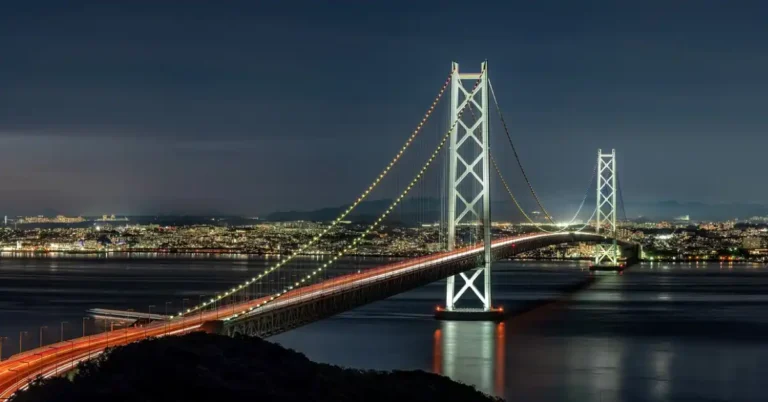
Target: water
{"x": 659, "y": 332}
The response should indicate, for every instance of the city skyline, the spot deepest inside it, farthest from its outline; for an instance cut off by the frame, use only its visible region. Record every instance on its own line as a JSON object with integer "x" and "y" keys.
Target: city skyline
{"x": 165, "y": 111}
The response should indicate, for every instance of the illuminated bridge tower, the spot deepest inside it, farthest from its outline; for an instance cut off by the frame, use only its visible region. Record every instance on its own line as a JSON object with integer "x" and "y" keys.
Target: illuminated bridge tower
{"x": 606, "y": 254}
{"x": 469, "y": 194}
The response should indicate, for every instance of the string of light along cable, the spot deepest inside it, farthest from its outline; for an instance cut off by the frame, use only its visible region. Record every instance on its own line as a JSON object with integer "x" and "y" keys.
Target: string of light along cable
{"x": 588, "y": 220}
{"x": 378, "y": 221}
{"x": 338, "y": 219}
{"x": 514, "y": 151}
{"x": 584, "y": 199}
{"x": 537, "y": 225}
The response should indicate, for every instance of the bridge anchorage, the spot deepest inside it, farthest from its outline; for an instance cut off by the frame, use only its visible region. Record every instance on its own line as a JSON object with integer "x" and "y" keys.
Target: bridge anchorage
{"x": 469, "y": 187}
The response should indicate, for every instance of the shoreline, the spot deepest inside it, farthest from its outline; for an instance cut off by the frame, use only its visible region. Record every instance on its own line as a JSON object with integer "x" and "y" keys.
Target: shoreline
{"x": 223, "y": 252}
{"x": 181, "y": 254}
{"x": 176, "y": 253}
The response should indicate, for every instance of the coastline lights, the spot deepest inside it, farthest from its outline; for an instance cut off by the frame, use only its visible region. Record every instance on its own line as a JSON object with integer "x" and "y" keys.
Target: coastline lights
{"x": 359, "y": 199}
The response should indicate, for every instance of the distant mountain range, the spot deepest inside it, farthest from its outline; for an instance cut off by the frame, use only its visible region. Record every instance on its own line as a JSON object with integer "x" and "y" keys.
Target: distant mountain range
{"x": 410, "y": 211}
{"x": 427, "y": 210}
{"x": 697, "y": 211}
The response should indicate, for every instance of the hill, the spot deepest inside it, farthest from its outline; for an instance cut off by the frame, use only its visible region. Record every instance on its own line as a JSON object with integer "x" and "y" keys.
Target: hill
{"x": 202, "y": 367}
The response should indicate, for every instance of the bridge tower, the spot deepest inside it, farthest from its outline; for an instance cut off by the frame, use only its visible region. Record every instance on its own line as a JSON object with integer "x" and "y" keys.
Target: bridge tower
{"x": 469, "y": 193}
{"x": 607, "y": 254}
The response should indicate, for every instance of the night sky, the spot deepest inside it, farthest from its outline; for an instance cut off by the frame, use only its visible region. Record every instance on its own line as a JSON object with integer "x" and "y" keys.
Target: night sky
{"x": 245, "y": 108}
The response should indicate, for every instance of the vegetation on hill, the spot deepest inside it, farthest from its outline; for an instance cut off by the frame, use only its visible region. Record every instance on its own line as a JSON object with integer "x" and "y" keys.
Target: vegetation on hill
{"x": 202, "y": 367}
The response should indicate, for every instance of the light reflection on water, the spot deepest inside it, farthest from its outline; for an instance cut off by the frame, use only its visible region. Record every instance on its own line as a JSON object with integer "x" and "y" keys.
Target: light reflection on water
{"x": 473, "y": 352}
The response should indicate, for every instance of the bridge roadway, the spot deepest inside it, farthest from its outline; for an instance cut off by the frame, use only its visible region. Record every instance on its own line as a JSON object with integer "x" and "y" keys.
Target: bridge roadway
{"x": 58, "y": 358}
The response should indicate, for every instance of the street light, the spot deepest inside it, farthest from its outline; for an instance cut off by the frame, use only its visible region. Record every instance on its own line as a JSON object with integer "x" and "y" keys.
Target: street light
{"x": 201, "y": 309}
{"x": 62, "y": 330}
{"x": 183, "y": 305}
{"x": 168, "y": 322}
{"x": 112, "y": 329}
{"x": 2, "y": 338}
{"x": 149, "y": 319}
{"x": 21, "y": 334}
{"x": 89, "y": 338}
{"x": 41, "y": 334}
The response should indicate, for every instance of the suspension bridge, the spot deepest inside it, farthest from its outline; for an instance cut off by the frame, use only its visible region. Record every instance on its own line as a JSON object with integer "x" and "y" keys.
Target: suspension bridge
{"x": 468, "y": 247}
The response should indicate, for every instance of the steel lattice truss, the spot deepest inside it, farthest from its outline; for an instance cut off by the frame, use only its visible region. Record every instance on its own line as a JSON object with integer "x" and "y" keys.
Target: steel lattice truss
{"x": 605, "y": 215}
{"x": 469, "y": 180}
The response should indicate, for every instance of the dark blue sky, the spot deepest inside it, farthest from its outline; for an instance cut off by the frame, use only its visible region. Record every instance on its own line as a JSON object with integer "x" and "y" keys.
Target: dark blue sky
{"x": 246, "y": 108}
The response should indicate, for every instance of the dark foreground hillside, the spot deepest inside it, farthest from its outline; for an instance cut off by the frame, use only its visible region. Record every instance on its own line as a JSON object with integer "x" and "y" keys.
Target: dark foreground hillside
{"x": 200, "y": 367}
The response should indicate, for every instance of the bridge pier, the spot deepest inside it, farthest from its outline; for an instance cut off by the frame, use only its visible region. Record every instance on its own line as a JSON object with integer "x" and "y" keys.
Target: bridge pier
{"x": 469, "y": 195}
{"x": 628, "y": 255}
{"x": 494, "y": 314}
{"x": 306, "y": 305}
{"x": 608, "y": 253}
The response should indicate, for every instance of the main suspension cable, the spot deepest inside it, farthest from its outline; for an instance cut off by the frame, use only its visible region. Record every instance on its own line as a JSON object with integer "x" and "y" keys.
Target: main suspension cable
{"x": 514, "y": 150}
{"x": 509, "y": 191}
{"x": 588, "y": 221}
{"x": 538, "y": 225}
{"x": 621, "y": 199}
{"x": 343, "y": 215}
{"x": 379, "y": 220}
{"x": 586, "y": 194}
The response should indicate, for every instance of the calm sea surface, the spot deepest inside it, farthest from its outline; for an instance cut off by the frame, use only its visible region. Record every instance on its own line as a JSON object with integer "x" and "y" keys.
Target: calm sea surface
{"x": 660, "y": 332}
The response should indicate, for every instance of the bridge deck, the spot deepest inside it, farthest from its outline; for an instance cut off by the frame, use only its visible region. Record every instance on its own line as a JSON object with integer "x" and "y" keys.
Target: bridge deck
{"x": 311, "y": 303}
